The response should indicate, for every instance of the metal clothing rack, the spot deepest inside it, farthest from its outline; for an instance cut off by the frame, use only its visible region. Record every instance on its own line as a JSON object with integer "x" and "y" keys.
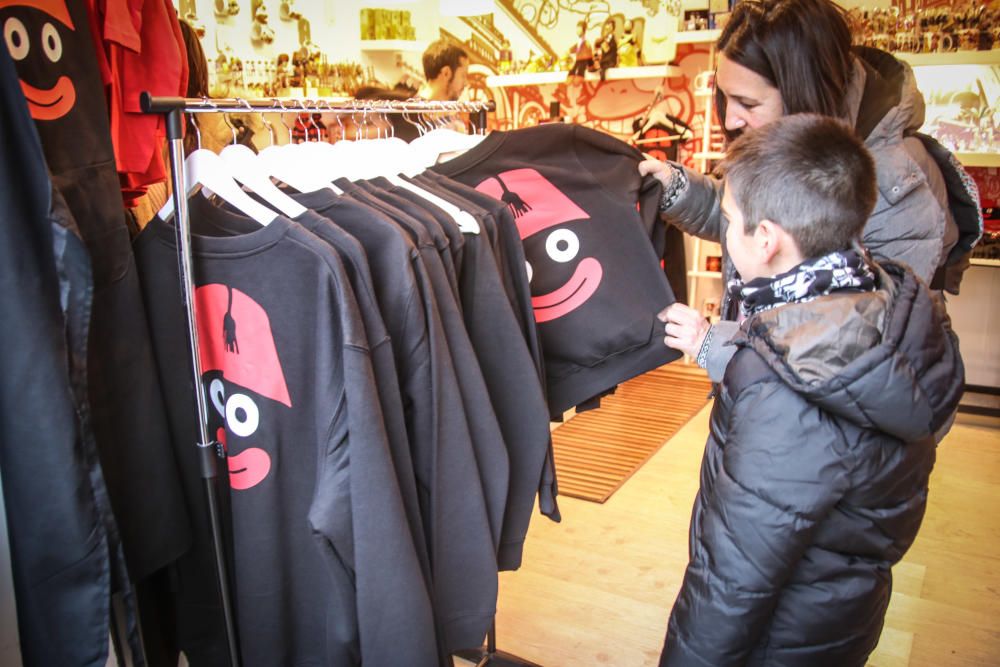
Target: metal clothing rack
{"x": 210, "y": 451}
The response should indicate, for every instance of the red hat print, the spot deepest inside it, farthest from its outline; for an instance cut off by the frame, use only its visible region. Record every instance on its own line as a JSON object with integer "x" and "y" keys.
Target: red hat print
{"x": 234, "y": 337}
{"x": 538, "y": 206}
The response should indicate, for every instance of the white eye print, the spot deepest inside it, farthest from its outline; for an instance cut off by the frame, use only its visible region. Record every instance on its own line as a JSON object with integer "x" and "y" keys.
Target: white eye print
{"x": 531, "y": 271}
{"x": 16, "y": 36}
{"x": 245, "y": 424}
{"x": 51, "y": 42}
{"x": 562, "y": 245}
{"x": 217, "y": 391}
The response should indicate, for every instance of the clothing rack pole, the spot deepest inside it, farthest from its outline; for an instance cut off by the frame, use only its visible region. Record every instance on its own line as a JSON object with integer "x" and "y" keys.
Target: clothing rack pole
{"x": 207, "y": 447}
{"x": 174, "y": 108}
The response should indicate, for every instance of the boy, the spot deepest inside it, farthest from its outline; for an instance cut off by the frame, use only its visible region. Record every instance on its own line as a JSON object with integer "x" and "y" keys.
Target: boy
{"x": 822, "y": 437}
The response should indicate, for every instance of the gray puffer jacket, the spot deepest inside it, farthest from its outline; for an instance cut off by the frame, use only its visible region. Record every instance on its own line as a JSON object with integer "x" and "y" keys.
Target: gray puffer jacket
{"x": 814, "y": 478}
{"x": 910, "y": 223}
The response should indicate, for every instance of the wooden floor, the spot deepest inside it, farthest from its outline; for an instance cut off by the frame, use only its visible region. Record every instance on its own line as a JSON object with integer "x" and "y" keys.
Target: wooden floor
{"x": 597, "y": 588}
{"x": 598, "y": 450}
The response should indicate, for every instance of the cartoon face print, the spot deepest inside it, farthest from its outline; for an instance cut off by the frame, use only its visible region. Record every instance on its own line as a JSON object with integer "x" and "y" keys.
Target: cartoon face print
{"x": 553, "y": 229}
{"x": 36, "y": 30}
{"x": 243, "y": 378}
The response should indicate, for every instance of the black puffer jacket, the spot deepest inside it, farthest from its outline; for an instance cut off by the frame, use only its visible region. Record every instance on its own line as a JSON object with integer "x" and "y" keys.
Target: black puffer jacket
{"x": 814, "y": 480}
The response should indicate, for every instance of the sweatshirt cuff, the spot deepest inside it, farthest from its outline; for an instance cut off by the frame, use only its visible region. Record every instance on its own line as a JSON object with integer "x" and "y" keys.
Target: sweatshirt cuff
{"x": 509, "y": 556}
{"x": 718, "y": 349}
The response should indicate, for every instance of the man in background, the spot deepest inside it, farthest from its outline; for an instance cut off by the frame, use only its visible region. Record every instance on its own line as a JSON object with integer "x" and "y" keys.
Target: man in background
{"x": 446, "y": 69}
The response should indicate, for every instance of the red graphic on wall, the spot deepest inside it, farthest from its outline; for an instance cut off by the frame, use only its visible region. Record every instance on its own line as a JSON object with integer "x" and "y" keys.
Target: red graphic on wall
{"x": 44, "y": 103}
{"x": 235, "y": 338}
{"x": 538, "y": 206}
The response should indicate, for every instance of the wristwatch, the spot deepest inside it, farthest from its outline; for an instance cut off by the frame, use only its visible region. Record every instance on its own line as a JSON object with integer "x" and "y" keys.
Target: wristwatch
{"x": 674, "y": 187}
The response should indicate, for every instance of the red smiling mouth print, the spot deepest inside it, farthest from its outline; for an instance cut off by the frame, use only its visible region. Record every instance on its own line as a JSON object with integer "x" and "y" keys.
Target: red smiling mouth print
{"x": 50, "y": 104}
{"x": 248, "y": 468}
{"x": 580, "y": 287}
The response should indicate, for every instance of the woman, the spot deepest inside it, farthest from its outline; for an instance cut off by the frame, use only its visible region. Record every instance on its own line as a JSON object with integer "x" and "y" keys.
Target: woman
{"x": 779, "y": 57}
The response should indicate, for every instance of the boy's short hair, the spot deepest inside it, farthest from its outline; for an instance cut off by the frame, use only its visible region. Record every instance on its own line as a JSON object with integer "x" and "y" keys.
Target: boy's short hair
{"x": 440, "y": 54}
{"x": 808, "y": 173}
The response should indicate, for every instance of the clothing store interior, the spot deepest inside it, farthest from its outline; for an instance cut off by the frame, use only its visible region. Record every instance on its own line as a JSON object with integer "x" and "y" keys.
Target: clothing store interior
{"x": 510, "y": 333}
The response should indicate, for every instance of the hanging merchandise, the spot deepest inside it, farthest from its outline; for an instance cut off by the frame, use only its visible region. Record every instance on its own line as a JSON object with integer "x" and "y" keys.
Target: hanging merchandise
{"x": 65, "y": 551}
{"x": 592, "y": 239}
{"x": 140, "y": 48}
{"x": 53, "y": 50}
{"x": 368, "y": 378}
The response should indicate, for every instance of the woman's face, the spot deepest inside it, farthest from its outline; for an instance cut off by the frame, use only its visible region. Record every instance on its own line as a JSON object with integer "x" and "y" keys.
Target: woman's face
{"x": 751, "y": 100}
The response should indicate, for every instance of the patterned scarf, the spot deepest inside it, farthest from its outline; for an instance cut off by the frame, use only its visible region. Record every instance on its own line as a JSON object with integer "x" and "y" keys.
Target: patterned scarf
{"x": 841, "y": 270}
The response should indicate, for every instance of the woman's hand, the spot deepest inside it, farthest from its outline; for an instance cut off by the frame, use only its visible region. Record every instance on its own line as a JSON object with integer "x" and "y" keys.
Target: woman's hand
{"x": 661, "y": 171}
{"x": 685, "y": 328}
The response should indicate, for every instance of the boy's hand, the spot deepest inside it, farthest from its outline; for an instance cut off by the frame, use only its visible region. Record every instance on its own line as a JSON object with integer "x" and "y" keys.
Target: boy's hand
{"x": 685, "y": 328}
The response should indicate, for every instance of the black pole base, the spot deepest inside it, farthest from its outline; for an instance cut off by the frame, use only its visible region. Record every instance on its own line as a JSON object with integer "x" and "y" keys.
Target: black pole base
{"x": 481, "y": 657}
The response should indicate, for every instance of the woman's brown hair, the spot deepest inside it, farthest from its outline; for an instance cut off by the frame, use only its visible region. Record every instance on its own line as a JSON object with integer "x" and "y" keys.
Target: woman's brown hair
{"x": 803, "y": 47}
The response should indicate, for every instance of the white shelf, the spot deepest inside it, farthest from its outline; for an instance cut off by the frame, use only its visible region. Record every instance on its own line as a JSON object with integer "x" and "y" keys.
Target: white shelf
{"x": 978, "y": 261}
{"x": 951, "y": 58}
{"x": 979, "y": 159}
{"x": 392, "y": 45}
{"x": 711, "y": 155}
{"x": 613, "y": 74}
{"x": 697, "y": 36}
{"x": 705, "y": 274}
{"x": 708, "y": 92}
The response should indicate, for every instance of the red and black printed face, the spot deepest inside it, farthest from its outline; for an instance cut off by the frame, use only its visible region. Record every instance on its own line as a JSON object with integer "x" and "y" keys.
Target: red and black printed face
{"x": 244, "y": 381}
{"x": 562, "y": 263}
{"x": 38, "y": 33}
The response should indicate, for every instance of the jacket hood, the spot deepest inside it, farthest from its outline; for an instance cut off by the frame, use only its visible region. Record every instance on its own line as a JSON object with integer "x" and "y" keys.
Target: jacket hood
{"x": 891, "y": 103}
{"x": 885, "y": 359}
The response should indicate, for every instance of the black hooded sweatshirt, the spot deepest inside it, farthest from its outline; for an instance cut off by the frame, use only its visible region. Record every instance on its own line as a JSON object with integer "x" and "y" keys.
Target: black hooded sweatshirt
{"x": 593, "y": 242}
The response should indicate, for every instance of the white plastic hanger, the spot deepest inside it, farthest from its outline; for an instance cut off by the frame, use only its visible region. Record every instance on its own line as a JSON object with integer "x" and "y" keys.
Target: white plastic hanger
{"x": 388, "y": 157}
{"x": 204, "y": 170}
{"x": 296, "y": 164}
{"x": 244, "y": 167}
{"x": 429, "y": 147}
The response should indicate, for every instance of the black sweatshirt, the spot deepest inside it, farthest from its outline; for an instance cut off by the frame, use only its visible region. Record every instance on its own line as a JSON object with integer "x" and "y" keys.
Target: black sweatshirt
{"x": 592, "y": 239}
{"x": 212, "y": 220}
{"x": 511, "y": 377}
{"x": 487, "y": 439}
{"x": 462, "y": 553}
{"x": 325, "y": 571}
{"x": 512, "y": 263}
{"x": 434, "y": 220}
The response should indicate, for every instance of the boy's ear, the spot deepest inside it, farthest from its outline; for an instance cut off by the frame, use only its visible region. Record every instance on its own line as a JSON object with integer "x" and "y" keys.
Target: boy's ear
{"x": 768, "y": 240}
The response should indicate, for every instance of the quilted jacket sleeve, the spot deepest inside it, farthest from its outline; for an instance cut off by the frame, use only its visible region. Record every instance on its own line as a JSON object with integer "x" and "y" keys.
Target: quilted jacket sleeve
{"x": 780, "y": 467}
{"x": 698, "y": 210}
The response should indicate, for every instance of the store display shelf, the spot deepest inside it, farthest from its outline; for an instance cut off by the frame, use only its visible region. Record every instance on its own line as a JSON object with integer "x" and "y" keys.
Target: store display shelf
{"x": 613, "y": 74}
{"x": 711, "y": 155}
{"x": 979, "y": 261}
{"x": 708, "y": 92}
{"x": 392, "y": 45}
{"x": 705, "y": 274}
{"x": 697, "y": 36}
{"x": 951, "y": 58}
{"x": 979, "y": 159}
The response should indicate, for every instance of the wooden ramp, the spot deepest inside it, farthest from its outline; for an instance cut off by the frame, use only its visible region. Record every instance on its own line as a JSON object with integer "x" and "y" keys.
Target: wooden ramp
{"x": 596, "y": 451}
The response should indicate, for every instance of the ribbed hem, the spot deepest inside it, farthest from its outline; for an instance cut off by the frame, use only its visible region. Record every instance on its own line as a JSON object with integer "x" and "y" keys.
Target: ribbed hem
{"x": 589, "y": 381}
